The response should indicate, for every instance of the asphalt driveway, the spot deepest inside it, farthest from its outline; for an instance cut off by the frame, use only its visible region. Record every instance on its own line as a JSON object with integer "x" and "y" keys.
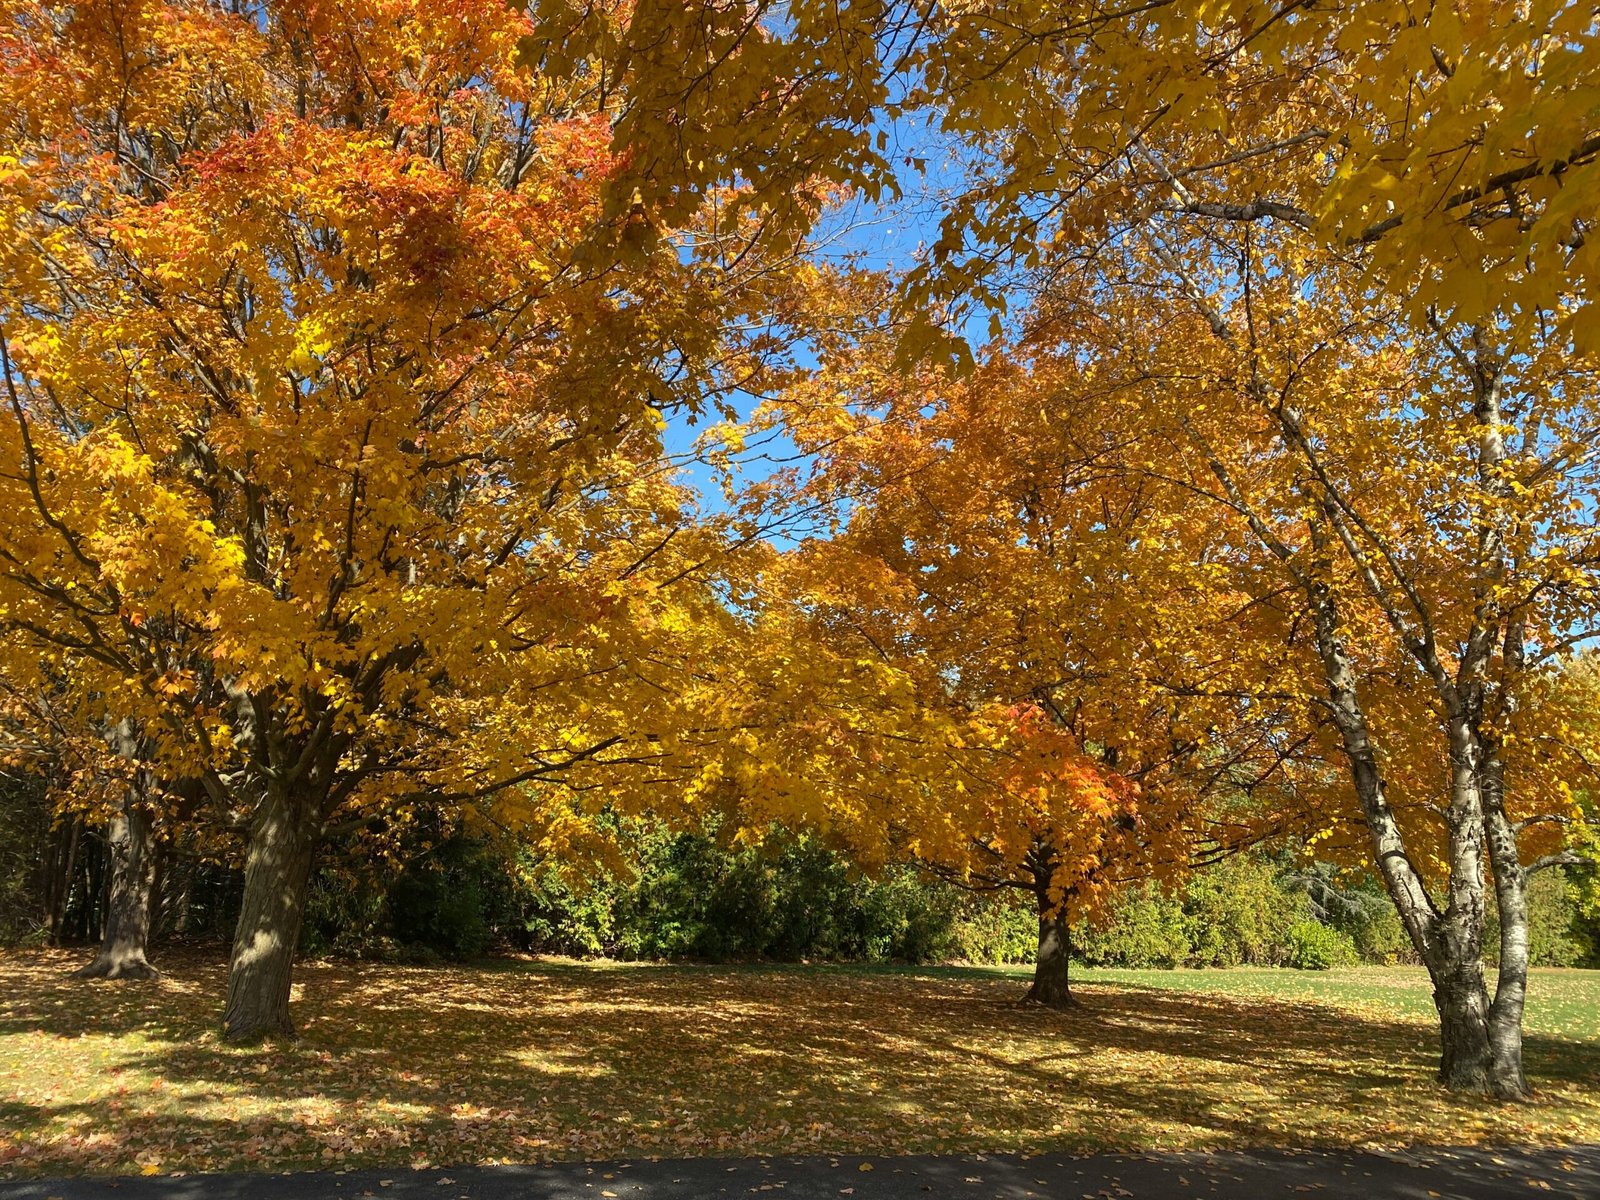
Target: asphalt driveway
{"x": 1432, "y": 1174}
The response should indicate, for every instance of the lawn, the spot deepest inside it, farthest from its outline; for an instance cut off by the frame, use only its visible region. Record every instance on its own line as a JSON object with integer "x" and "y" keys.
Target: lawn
{"x": 521, "y": 1061}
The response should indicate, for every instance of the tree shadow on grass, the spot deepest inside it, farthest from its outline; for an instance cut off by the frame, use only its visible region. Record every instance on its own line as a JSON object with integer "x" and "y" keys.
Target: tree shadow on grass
{"x": 542, "y": 1061}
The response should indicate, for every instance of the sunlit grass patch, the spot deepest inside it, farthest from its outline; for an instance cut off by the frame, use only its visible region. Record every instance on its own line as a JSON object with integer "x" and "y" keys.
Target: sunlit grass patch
{"x": 527, "y": 1061}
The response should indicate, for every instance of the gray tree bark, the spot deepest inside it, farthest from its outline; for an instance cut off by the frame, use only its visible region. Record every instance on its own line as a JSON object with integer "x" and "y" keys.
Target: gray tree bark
{"x": 131, "y": 866}
{"x": 283, "y": 843}
{"x": 1511, "y": 898}
{"x": 1481, "y": 1041}
{"x": 1449, "y": 942}
{"x": 125, "y": 932}
{"x": 1051, "y": 983}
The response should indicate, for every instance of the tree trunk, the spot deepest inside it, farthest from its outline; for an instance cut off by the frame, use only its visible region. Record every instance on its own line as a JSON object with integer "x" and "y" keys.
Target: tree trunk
{"x": 125, "y": 930}
{"x": 176, "y": 898}
{"x": 61, "y": 884}
{"x": 1450, "y": 943}
{"x": 283, "y": 842}
{"x": 1480, "y": 1041}
{"x": 1050, "y": 985}
{"x": 1507, "y": 1079}
{"x": 88, "y": 924}
{"x": 1462, "y": 1000}
{"x": 1511, "y": 900}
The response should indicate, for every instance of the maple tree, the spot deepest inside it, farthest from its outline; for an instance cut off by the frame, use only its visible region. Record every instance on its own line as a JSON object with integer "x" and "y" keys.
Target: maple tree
{"x": 891, "y": 766}
{"x": 337, "y": 341}
{"x": 101, "y": 775}
{"x": 992, "y": 680}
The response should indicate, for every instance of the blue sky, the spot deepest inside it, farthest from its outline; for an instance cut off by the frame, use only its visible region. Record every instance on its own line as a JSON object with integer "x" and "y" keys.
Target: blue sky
{"x": 884, "y": 236}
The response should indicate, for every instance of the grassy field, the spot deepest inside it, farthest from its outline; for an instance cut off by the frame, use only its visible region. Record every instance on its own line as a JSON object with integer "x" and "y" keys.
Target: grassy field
{"x": 539, "y": 1060}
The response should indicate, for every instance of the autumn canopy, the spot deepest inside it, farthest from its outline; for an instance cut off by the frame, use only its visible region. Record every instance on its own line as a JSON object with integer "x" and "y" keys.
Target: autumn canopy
{"x": 507, "y": 417}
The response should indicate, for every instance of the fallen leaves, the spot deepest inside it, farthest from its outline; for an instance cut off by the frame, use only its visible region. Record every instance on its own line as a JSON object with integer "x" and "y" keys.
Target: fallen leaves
{"x": 540, "y": 1061}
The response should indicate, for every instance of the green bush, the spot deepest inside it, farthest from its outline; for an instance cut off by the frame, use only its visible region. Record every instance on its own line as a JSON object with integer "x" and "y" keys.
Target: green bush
{"x": 1584, "y": 888}
{"x": 344, "y": 916}
{"x": 1555, "y": 933}
{"x": 788, "y": 899}
{"x": 689, "y": 896}
{"x": 905, "y": 918}
{"x": 440, "y": 904}
{"x": 995, "y": 930}
{"x": 1145, "y": 927}
{"x": 452, "y": 901}
{"x": 1377, "y": 932}
{"x": 1314, "y": 946}
{"x": 1355, "y": 903}
{"x": 560, "y": 917}
{"x": 1237, "y": 913}
{"x": 1552, "y": 914}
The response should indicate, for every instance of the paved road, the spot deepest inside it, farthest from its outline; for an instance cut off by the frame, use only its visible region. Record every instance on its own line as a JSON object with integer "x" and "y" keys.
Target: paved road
{"x": 1418, "y": 1175}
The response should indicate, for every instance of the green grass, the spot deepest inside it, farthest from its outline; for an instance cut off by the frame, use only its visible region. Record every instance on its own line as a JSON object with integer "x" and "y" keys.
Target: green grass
{"x": 1564, "y": 1004}
{"x": 521, "y": 1061}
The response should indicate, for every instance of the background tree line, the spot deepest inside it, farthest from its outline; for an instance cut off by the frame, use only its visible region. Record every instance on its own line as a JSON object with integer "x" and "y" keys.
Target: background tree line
{"x": 678, "y": 895}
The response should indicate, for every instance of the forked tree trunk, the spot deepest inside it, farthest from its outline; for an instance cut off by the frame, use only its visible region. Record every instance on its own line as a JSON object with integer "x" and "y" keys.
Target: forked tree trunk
{"x": 1511, "y": 899}
{"x": 1480, "y": 1033}
{"x": 1050, "y": 973}
{"x": 1480, "y": 1041}
{"x": 1482, "y": 1047}
{"x": 1480, "y": 1037}
{"x": 125, "y": 930}
{"x": 283, "y": 842}
{"x": 1462, "y": 1000}
{"x": 1507, "y": 1079}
